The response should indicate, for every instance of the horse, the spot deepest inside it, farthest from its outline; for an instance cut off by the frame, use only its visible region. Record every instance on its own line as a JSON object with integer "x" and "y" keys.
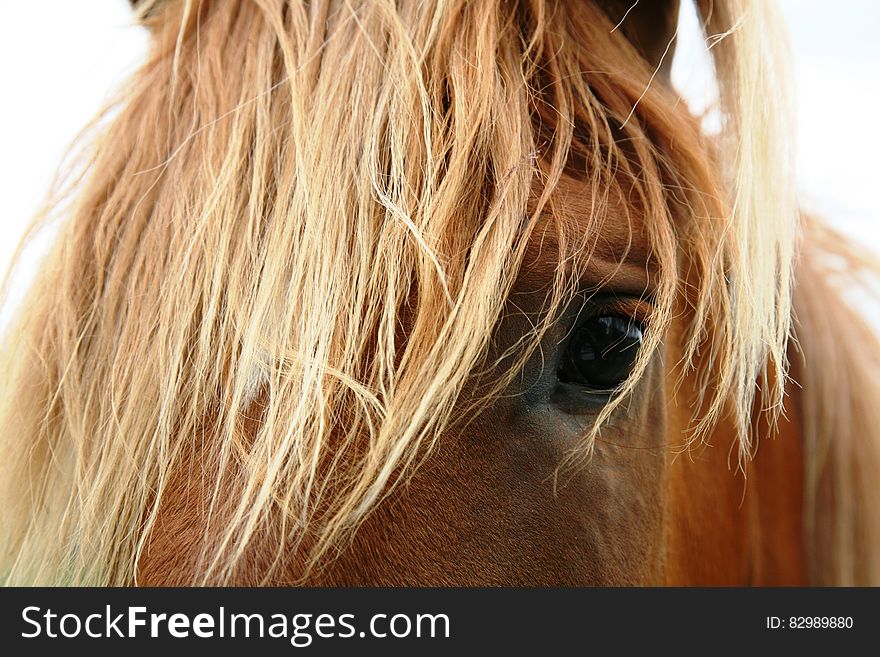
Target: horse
{"x": 375, "y": 293}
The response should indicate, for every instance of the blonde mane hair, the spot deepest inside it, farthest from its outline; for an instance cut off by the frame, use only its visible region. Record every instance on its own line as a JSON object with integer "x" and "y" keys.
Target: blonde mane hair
{"x": 293, "y": 238}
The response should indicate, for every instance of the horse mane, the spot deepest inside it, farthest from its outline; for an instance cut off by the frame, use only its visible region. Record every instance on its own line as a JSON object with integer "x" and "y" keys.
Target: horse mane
{"x": 837, "y": 368}
{"x": 291, "y": 241}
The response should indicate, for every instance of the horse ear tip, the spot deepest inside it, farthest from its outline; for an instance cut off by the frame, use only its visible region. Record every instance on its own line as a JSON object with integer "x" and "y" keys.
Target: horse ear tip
{"x": 143, "y": 8}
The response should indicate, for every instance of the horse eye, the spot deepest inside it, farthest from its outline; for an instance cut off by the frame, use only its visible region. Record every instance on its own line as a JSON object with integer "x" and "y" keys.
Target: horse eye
{"x": 601, "y": 353}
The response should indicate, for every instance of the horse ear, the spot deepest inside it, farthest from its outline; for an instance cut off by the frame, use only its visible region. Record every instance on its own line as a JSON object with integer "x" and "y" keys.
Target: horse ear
{"x": 650, "y": 25}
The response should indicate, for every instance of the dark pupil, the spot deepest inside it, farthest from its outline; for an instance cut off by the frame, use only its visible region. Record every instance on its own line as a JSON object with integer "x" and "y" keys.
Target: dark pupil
{"x": 602, "y": 352}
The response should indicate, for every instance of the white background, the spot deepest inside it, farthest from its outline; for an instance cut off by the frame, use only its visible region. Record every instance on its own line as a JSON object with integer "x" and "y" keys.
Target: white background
{"x": 60, "y": 60}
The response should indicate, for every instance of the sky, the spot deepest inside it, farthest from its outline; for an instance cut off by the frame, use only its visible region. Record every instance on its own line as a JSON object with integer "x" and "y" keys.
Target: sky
{"x": 836, "y": 57}
{"x": 61, "y": 60}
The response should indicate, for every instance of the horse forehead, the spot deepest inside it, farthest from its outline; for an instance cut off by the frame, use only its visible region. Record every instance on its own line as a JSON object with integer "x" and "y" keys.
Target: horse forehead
{"x": 616, "y": 248}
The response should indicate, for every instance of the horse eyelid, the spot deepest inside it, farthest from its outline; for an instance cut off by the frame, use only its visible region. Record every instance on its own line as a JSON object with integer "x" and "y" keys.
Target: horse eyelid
{"x": 639, "y": 308}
